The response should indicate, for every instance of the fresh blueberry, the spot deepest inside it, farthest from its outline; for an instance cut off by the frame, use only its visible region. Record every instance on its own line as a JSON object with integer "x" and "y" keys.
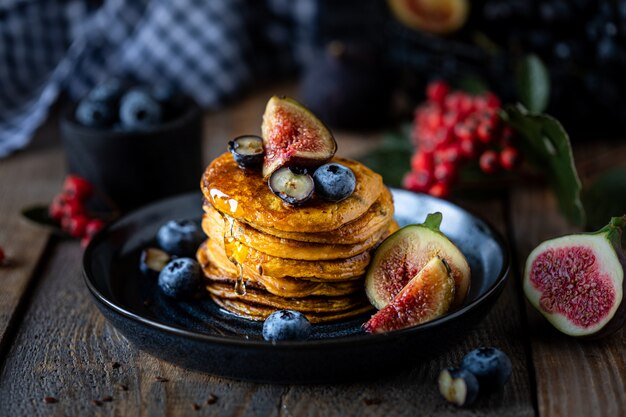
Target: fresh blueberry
{"x": 458, "y": 386}
{"x": 164, "y": 93}
{"x": 491, "y": 366}
{"x": 181, "y": 278}
{"x": 94, "y": 113}
{"x": 109, "y": 91}
{"x": 138, "y": 109}
{"x": 180, "y": 237}
{"x": 153, "y": 261}
{"x": 334, "y": 182}
{"x": 286, "y": 325}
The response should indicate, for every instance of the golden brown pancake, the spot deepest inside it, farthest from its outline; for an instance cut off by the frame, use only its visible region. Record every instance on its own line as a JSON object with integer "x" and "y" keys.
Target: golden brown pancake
{"x": 263, "y": 264}
{"x": 311, "y": 304}
{"x": 216, "y": 225}
{"x": 259, "y": 312}
{"x": 245, "y": 196}
{"x": 284, "y": 287}
{"x": 356, "y": 231}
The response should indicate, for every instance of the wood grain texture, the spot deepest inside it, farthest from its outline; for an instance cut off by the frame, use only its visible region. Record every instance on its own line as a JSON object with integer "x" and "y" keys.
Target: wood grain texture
{"x": 574, "y": 378}
{"x": 65, "y": 349}
{"x": 26, "y": 178}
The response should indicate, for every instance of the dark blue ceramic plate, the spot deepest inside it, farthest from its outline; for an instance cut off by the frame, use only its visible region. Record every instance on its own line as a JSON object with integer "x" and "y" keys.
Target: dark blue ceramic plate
{"x": 199, "y": 335}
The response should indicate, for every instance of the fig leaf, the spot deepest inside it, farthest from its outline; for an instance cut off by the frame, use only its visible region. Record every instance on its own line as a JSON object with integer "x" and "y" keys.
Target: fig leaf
{"x": 433, "y": 221}
{"x": 533, "y": 84}
{"x": 546, "y": 145}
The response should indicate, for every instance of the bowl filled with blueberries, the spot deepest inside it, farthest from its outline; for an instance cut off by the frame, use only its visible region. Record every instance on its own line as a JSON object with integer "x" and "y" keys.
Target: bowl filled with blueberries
{"x": 135, "y": 143}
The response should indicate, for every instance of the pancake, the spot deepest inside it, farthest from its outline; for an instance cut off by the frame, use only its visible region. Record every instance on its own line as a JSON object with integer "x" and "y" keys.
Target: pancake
{"x": 263, "y": 264}
{"x": 259, "y": 312}
{"x": 283, "y": 287}
{"x": 356, "y": 231}
{"x": 246, "y": 196}
{"x": 216, "y": 225}
{"x": 312, "y": 304}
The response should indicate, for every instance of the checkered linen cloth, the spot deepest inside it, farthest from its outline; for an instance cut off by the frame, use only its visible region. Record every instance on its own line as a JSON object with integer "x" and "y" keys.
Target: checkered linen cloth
{"x": 210, "y": 49}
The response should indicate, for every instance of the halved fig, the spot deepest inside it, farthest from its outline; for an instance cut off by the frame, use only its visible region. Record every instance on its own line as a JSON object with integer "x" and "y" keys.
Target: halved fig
{"x": 403, "y": 254}
{"x": 292, "y": 135}
{"x": 247, "y": 150}
{"x": 427, "y": 296}
{"x": 293, "y": 186}
{"x": 577, "y": 281}
{"x": 433, "y": 16}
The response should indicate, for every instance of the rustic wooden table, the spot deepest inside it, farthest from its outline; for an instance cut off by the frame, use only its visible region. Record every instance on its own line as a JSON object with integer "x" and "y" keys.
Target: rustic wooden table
{"x": 55, "y": 343}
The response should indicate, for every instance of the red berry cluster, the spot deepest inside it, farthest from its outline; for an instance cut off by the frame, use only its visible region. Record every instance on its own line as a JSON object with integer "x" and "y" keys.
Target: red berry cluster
{"x": 452, "y": 128}
{"x": 68, "y": 208}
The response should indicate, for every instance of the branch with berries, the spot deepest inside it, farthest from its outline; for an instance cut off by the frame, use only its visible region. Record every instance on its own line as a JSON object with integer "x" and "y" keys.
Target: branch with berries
{"x": 68, "y": 213}
{"x": 457, "y": 136}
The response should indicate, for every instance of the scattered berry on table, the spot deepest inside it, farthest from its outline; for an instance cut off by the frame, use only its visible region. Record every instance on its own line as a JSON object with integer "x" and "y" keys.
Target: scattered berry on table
{"x": 490, "y": 366}
{"x": 77, "y": 188}
{"x": 458, "y": 386}
{"x": 2, "y": 256}
{"x": 180, "y": 278}
{"x": 286, "y": 325}
{"x": 180, "y": 237}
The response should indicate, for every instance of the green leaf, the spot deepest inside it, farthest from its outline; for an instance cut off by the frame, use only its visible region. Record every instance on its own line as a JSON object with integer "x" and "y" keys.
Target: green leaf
{"x": 472, "y": 85}
{"x": 433, "y": 221}
{"x": 605, "y": 198}
{"x": 546, "y": 144}
{"x": 392, "y": 158}
{"x": 533, "y": 84}
{"x": 39, "y": 215}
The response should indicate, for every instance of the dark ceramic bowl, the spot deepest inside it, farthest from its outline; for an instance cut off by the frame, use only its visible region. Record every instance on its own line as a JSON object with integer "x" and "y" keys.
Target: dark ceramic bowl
{"x": 136, "y": 167}
{"x": 199, "y": 335}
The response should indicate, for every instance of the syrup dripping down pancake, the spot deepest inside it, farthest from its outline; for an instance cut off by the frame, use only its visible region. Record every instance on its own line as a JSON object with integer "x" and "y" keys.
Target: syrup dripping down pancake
{"x": 288, "y": 287}
{"x": 245, "y": 196}
{"x": 215, "y": 225}
{"x": 376, "y": 217}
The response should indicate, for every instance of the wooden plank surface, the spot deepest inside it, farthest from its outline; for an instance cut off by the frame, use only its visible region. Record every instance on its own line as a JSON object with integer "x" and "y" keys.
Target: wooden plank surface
{"x": 26, "y": 178}
{"x": 66, "y": 350}
{"x": 574, "y": 377}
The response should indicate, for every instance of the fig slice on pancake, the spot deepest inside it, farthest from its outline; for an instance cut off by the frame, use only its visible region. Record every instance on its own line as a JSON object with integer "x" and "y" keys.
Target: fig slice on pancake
{"x": 293, "y": 136}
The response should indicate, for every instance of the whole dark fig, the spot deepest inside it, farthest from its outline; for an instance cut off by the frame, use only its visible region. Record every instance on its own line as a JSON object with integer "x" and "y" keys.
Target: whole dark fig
{"x": 347, "y": 87}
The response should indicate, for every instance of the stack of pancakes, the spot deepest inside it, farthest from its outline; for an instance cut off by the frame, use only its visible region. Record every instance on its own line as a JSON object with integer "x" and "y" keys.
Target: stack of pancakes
{"x": 310, "y": 258}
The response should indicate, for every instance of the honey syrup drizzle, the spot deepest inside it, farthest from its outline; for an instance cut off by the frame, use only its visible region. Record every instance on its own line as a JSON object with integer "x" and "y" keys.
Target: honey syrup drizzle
{"x": 229, "y": 242}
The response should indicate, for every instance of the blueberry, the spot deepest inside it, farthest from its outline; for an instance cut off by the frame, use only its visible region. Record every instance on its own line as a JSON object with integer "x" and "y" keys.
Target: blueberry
{"x": 491, "y": 366}
{"x": 181, "y": 278}
{"x": 180, "y": 237}
{"x": 94, "y": 113}
{"x": 110, "y": 91}
{"x": 138, "y": 109}
{"x": 286, "y": 325}
{"x": 153, "y": 261}
{"x": 164, "y": 93}
{"x": 334, "y": 182}
{"x": 458, "y": 386}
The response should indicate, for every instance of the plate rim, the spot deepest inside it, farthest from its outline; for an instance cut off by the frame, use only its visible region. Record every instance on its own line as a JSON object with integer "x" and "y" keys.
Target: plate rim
{"x": 342, "y": 341}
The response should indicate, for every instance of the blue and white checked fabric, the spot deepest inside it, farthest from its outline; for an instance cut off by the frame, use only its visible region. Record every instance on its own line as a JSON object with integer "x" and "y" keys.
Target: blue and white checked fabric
{"x": 210, "y": 49}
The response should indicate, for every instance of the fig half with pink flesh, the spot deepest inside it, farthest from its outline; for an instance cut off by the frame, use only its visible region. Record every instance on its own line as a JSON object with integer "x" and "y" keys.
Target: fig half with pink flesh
{"x": 403, "y": 254}
{"x": 427, "y": 296}
{"x": 577, "y": 281}
{"x": 293, "y": 136}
